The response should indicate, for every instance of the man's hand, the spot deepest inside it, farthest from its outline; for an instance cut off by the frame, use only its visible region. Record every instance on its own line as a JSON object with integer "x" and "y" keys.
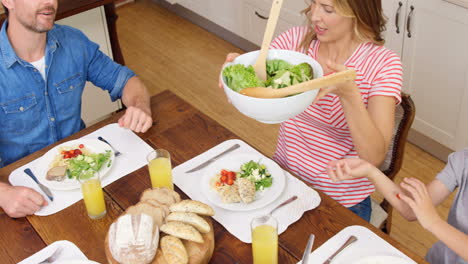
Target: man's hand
{"x": 136, "y": 119}
{"x": 19, "y": 201}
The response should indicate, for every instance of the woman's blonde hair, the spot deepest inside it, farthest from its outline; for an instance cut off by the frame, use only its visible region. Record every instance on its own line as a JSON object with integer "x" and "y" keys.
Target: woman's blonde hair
{"x": 369, "y": 21}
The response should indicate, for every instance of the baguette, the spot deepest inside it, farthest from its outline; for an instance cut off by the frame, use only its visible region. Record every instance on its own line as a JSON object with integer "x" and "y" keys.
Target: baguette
{"x": 192, "y": 219}
{"x": 173, "y": 250}
{"x": 181, "y": 230}
{"x": 191, "y": 206}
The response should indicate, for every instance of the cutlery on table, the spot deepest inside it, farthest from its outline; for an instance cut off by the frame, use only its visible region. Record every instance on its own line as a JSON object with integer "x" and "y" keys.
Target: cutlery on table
{"x": 260, "y": 63}
{"x": 293, "y": 198}
{"x": 310, "y": 243}
{"x": 43, "y": 188}
{"x": 116, "y": 152}
{"x": 348, "y": 242}
{"x": 206, "y": 163}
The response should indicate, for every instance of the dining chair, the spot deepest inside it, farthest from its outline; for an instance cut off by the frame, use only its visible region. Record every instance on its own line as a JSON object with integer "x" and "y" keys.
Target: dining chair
{"x": 381, "y": 216}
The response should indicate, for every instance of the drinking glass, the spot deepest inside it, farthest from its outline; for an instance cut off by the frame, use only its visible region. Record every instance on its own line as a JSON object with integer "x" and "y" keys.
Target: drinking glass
{"x": 93, "y": 195}
{"x": 160, "y": 169}
{"x": 264, "y": 240}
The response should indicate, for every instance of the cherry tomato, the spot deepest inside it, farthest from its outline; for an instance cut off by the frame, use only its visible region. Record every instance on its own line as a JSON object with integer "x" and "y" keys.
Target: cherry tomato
{"x": 231, "y": 175}
{"x": 66, "y": 156}
{"x": 77, "y": 152}
{"x": 224, "y": 172}
{"x": 224, "y": 178}
{"x": 81, "y": 146}
{"x": 230, "y": 182}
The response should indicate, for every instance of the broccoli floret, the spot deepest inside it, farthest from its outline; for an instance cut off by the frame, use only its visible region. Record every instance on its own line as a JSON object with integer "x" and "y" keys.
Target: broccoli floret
{"x": 302, "y": 72}
{"x": 238, "y": 77}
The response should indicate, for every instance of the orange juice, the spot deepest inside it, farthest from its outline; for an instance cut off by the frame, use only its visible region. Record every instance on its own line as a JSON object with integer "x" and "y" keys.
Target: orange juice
{"x": 265, "y": 245}
{"x": 93, "y": 198}
{"x": 161, "y": 172}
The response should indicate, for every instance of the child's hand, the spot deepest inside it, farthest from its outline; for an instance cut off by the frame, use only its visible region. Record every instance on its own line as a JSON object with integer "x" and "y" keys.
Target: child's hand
{"x": 346, "y": 169}
{"x": 420, "y": 202}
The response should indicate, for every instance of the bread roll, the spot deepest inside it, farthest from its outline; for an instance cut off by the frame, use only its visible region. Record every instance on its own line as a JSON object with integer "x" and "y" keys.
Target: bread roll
{"x": 155, "y": 203}
{"x": 156, "y": 213}
{"x": 173, "y": 250}
{"x": 133, "y": 239}
{"x": 181, "y": 230}
{"x": 163, "y": 195}
{"x": 190, "y": 218}
{"x": 192, "y": 206}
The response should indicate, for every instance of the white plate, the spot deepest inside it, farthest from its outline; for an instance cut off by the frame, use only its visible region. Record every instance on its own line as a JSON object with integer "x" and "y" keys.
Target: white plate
{"x": 93, "y": 145}
{"x": 382, "y": 260}
{"x": 233, "y": 163}
{"x": 79, "y": 262}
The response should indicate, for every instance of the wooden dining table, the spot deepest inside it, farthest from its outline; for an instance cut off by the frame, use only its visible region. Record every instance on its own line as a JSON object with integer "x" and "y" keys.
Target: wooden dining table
{"x": 185, "y": 132}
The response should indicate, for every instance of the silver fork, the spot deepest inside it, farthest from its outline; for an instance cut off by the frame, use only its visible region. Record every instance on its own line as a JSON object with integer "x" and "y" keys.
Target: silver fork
{"x": 293, "y": 198}
{"x": 116, "y": 152}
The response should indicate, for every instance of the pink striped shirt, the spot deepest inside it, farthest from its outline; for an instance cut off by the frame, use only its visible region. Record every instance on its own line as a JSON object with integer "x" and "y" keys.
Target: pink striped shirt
{"x": 310, "y": 140}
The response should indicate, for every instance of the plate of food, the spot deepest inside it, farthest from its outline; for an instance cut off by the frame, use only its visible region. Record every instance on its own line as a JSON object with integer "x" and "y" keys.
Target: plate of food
{"x": 243, "y": 182}
{"x": 61, "y": 166}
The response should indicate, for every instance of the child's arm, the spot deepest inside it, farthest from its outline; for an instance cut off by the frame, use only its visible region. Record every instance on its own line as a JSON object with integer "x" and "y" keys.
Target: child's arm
{"x": 356, "y": 168}
{"x": 422, "y": 205}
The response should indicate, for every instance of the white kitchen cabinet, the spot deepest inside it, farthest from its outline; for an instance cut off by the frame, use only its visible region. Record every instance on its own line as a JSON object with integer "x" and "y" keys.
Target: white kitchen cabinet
{"x": 256, "y": 12}
{"x": 96, "y": 103}
{"x": 433, "y": 39}
{"x": 225, "y": 13}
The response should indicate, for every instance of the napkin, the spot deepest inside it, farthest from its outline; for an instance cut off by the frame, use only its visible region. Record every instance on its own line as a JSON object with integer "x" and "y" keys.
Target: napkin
{"x": 368, "y": 244}
{"x": 62, "y": 251}
{"x": 133, "y": 157}
{"x": 238, "y": 222}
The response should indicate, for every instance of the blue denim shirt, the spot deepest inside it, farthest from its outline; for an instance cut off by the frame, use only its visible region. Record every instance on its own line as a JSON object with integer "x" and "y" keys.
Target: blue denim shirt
{"x": 35, "y": 113}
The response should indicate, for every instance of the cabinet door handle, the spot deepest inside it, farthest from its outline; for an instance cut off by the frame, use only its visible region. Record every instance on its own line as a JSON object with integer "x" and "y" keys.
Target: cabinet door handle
{"x": 408, "y": 22}
{"x": 260, "y": 16}
{"x": 397, "y": 17}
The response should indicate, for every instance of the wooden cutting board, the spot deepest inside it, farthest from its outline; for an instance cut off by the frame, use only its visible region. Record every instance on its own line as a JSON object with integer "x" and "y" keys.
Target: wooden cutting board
{"x": 199, "y": 253}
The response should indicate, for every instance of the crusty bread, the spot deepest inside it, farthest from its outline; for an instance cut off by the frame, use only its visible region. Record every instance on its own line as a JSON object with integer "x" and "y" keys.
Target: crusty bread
{"x": 57, "y": 173}
{"x": 133, "y": 239}
{"x": 162, "y": 195}
{"x": 173, "y": 250}
{"x": 156, "y": 213}
{"x": 190, "y": 218}
{"x": 155, "y": 203}
{"x": 192, "y": 206}
{"x": 181, "y": 230}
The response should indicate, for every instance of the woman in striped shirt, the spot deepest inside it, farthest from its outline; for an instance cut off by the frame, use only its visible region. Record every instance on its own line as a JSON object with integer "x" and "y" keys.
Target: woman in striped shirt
{"x": 353, "y": 119}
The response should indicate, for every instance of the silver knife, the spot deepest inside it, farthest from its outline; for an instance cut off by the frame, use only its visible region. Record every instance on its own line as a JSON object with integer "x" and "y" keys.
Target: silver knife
{"x": 305, "y": 256}
{"x": 206, "y": 163}
{"x": 43, "y": 188}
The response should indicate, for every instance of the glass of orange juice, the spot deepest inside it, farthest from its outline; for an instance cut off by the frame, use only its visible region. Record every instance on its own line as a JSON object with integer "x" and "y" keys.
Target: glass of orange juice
{"x": 93, "y": 195}
{"x": 160, "y": 169}
{"x": 264, "y": 240}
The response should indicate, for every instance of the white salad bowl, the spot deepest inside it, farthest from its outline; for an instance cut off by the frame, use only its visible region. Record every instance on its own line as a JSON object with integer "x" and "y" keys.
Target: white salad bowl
{"x": 274, "y": 110}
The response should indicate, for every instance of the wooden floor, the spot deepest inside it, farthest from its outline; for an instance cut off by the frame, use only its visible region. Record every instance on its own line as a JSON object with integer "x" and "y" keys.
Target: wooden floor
{"x": 168, "y": 52}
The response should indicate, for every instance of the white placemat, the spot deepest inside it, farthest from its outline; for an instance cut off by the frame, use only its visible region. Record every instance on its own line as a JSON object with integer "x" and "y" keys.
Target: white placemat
{"x": 133, "y": 157}
{"x": 368, "y": 244}
{"x": 238, "y": 223}
{"x": 62, "y": 251}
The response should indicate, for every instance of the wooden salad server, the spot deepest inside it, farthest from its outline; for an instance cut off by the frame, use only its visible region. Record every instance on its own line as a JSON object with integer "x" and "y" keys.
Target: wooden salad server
{"x": 260, "y": 64}
{"x": 329, "y": 80}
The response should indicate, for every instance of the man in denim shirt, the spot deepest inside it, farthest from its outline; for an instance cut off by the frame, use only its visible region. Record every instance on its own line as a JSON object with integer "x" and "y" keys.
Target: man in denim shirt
{"x": 43, "y": 71}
